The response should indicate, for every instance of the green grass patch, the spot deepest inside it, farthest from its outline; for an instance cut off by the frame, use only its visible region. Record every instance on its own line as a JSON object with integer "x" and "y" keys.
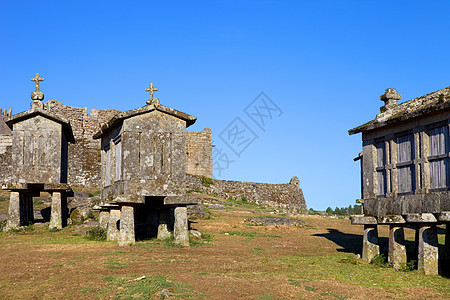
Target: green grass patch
{"x": 95, "y": 193}
{"x": 346, "y": 268}
{"x": 113, "y": 263}
{"x": 249, "y": 234}
{"x": 149, "y": 287}
{"x": 244, "y": 202}
{"x": 202, "y": 273}
{"x": 310, "y": 288}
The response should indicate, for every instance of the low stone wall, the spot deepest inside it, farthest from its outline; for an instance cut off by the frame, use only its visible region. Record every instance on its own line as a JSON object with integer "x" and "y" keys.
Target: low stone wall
{"x": 286, "y": 196}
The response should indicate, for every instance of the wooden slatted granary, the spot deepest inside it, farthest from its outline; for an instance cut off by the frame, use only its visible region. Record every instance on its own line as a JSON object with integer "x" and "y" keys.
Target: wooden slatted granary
{"x": 405, "y": 177}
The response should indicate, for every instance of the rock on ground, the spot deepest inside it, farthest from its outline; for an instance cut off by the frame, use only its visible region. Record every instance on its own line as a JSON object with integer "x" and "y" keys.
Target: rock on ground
{"x": 197, "y": 212}
{"x": 276, "y": 221}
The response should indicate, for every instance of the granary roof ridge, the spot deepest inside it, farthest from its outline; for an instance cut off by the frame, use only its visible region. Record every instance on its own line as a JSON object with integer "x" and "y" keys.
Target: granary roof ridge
{"x": 138, "y": 111}
{"x": 49, "y": 115}
{"x": 407, "y": 110}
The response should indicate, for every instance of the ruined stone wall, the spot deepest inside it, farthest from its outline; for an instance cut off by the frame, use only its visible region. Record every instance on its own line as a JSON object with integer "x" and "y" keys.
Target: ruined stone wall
{"x": 84, "y": 155}
{"x": 199, "y": 153}
{"x": 286, "y": 196}
{"x": 5, "y": 145}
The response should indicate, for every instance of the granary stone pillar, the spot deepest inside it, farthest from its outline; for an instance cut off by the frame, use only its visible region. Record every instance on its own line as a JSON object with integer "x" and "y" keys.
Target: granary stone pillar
{"x": 428, "y": 249}
{"x": 164, "y": 221}
{"x": 56, "y": 217}
{"x": 103, "y": 219}
{"x": 113, "y": 228}
{"x": 181, "y": 232}
{"x": 14, "y": 211}
{"x": 370, "y": 242}
{"x": 397, "y": 248}
{"x": 127, "y": 235}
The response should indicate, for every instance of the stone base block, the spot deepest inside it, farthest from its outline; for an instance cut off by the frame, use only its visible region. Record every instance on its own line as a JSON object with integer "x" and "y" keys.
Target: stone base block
{"x": 370, "y": 242}
{"x": 181, "y": 233}
{"x": 397, "y": 248}
{"x": 113, "y": 225}
{"x": 428, "y": 250}
{"x": 127, "y": 234}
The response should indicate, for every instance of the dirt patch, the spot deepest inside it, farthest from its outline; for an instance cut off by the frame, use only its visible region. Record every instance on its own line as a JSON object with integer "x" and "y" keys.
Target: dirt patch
{"x": 240, "y": 261}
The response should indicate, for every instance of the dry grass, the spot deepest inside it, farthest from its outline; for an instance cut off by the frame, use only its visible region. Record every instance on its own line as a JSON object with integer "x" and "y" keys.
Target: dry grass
{"x": 240, "y": 262}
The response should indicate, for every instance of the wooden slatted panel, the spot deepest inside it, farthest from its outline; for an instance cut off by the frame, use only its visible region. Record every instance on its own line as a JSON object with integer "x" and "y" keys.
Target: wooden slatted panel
{"x": 381, "y": 182}
{"x": 381, "y": 163}
{"x": 108, "y": 167}
{"x": 437, "y": 141}
{"x": 405, "y": 148}
{"x": 118, "y": 149}
{"x": 405, "y": 154}
{"x": 381, "y": 154}
{"x": 438, "y": 166}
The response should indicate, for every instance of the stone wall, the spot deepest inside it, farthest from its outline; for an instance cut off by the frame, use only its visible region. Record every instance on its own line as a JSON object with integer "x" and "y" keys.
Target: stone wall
{"x": 286, "y": 196}
{"x": 84, "y": 155}
{"x": 5, "y": 145}
{"x": 199, "y": 153}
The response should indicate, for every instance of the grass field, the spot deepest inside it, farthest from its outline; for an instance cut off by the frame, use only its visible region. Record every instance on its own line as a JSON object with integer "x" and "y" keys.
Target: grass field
{"x": 235, "y": 261}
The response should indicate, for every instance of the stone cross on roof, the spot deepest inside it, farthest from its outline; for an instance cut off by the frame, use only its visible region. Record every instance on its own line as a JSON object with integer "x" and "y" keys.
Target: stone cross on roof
{"x": 37, "y": 96}
{"x": 151, "y": 90}
{"x": 37, "y": 79}
{"x": 390, "y": 98}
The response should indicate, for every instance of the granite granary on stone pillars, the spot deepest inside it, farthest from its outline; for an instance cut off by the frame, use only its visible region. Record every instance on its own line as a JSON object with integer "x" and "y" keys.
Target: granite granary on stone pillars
{"x": 39, "y": 159}
{"x": 405, "y": 178}
{"x": 143, "y": 171}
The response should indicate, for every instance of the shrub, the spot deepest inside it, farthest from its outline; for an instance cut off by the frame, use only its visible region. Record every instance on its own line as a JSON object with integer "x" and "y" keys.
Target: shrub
{"x": 2, "y": 225}
{"x": 96, "y": 234}
{"x": 379, "y": 261}
{"x": 206, "y": 181}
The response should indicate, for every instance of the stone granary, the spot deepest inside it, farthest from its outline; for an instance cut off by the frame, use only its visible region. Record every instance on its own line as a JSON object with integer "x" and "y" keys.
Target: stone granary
{"x": 143, "y": 173}
{"x": 39, "y": 156}
{"x": 405, "y": 177}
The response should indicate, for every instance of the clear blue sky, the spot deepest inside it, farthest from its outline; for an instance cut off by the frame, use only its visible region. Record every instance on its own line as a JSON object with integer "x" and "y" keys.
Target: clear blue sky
{"x": 323, "y": 63}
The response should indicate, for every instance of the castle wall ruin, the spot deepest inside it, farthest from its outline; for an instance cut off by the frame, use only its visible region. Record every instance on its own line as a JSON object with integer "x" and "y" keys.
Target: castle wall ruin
{"x": 285, "y": 196}
{"x": 199, "y": 153}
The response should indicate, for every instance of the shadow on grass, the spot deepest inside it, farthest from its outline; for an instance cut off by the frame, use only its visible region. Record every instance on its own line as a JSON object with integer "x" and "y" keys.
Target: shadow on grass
{"x": 351, "y": 243}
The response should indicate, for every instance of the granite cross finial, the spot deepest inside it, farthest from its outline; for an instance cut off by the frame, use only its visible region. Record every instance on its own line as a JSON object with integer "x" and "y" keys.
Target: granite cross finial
{"x": 390, "y": 98}
{"x": 151, "y": 90}
{"x": 37, "y": 79}
{"x": 37, "y": 95}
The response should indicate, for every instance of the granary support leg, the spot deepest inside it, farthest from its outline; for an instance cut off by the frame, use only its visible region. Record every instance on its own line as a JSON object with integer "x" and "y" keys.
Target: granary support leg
{"x": 112, "y": 233}
{"x": 103, "y": 219}
{"x": 14, "y": 211}
{"x": 181, "y": 233}
{"x": 56, "y": 211}
{"x": 428, "y": 249}
{"x": 397, "y": 248}
{"x": 127, "y": 235}
{"x": 164, "y": 221}
{"x": 370, "y": 242}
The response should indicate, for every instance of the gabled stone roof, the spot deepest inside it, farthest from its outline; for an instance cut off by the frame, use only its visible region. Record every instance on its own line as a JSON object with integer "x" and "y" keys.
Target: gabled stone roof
{"x": 41, "y": 112}
{"x": 408, "y": 110}
{"x": 145, "y": 109}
